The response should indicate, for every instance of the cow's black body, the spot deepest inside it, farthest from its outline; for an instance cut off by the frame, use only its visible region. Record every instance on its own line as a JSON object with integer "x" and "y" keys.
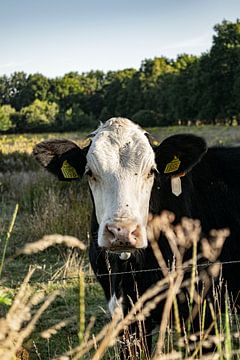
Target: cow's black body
{"x": 210, "y": 193}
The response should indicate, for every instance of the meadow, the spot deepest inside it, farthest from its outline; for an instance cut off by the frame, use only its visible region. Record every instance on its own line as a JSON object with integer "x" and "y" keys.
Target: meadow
{"x": 45, "y": 206}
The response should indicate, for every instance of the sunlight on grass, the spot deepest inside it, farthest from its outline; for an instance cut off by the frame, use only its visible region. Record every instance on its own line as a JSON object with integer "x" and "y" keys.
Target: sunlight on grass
{"x": 56, "y": 307}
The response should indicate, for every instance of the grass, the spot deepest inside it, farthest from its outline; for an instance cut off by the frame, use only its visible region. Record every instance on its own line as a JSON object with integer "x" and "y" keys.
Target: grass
{"x": 47, "y": 206}
{"x": 8, "y": 237}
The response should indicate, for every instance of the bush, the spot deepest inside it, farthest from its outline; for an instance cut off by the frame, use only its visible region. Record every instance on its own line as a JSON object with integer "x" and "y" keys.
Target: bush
{"x": 6, "y": 112}
{"x": 40, "y": 115}
{"x": 147, "y": 118}
{"x": 75, "y": 118}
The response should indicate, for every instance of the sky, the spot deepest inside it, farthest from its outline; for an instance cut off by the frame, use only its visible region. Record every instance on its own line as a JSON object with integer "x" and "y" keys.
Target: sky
{"x": 54, "y": 37}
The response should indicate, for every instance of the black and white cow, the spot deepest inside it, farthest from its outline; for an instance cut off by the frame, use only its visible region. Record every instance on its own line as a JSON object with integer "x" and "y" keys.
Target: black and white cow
{"x": 128, "y": 178}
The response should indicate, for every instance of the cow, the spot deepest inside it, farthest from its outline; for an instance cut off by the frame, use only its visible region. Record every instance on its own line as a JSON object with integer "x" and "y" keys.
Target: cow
{"x": 129, "y": 178}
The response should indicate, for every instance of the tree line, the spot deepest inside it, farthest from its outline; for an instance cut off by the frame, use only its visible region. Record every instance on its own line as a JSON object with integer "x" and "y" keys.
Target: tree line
{"x": 196, "y": 89}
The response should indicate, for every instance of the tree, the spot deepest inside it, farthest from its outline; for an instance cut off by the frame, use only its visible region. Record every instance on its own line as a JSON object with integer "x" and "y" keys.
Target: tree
{"x": 129, "y": 99}
{"x": 115, "y": 91}
{"x": 203, "y": 97}
{"x": 225, "y": 59}
{"x": 227, "y": 36}
{"x": 76, "y": 119}
{"x": 150, "y": 73}
{"x": 17, "y": 90}
{"x": 40, "y": 115}
{"x": 147, "y": 118}
{"x": 153, "y": 68}
{"x": 4, "y": 93}
{"x": 6, "y": 112}
{"x": 182, "y": 95}
{"x": 68, "y": 85}
{"x": 163, "y": 90}
{"x": 37, "y": 87}
{"x": 92, "y": 81}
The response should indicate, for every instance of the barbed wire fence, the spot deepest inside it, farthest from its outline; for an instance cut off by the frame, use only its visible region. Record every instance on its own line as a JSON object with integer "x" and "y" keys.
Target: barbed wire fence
{"x": 92, "y": 276}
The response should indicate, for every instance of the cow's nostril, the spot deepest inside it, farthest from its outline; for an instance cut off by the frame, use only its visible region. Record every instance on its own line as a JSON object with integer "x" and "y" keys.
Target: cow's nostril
{"x": 110, "y": 231}
{"x": 123, "y": 234}
{"x": 135, "y": 233}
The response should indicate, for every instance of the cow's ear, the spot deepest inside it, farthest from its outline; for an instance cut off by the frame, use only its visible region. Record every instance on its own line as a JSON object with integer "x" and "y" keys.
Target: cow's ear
{"x": 179, "y": 153}
{"x": 63, "y": 158}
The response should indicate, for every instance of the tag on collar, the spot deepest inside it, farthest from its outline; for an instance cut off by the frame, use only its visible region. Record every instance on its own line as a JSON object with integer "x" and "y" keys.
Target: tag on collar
{"x": 69, "y": 172}
{"x": 176, "y": 186}
{"x": 173, "y": 165}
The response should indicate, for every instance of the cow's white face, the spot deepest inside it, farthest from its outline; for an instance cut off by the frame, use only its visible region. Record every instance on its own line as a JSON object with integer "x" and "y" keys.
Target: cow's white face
{"x": 120, "y": 168}
{"x": 120, "y": 164}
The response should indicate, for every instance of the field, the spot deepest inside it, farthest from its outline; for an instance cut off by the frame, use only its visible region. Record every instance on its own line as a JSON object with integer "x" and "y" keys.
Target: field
{"x": 47, "y": 206}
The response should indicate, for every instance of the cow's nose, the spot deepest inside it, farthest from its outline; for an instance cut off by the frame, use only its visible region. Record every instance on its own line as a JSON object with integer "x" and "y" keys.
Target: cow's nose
{"x": 122, "y": 234}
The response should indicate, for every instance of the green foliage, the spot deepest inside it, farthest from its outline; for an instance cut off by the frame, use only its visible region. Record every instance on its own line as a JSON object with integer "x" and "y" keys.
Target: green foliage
{"x": 227, "y": 35}
{"x": 37, "y": 87}
{"x": 5, "y": 298}
{"x": 47, "y": 206}
{"x": 40, "y": 114}
{"x": 147, "y": 118}
{"x": 203, "y": 89}
{"x": 16, "y": 90}
{"x": 156, "y": 67}
{"x": 6, "y": 112}
{"x": 74, "y": 118}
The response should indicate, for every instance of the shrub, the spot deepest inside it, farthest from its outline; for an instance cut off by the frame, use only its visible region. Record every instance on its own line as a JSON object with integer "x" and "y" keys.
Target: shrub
{"x": 40, "y": 114}
{"x": 147, "y": 118}
{"x": 6, "y": 112}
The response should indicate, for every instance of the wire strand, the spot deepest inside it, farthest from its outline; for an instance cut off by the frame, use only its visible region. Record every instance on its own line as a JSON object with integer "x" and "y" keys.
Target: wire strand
{"x": 95, "y": 276}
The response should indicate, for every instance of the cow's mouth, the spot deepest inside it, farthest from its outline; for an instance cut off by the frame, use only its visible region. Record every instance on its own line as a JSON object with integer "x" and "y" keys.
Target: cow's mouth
{"x": 123, "y": 254}
{"x": 121, "y": 249}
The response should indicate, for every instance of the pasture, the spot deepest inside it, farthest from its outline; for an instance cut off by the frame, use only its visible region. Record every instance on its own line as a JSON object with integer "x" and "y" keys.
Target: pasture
{"x": 47, "y": 206}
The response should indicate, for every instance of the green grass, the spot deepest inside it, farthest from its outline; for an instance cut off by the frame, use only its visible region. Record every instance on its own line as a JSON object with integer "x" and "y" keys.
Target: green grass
{"x": 47, "y": 206}
{"x": 66, "y": 306}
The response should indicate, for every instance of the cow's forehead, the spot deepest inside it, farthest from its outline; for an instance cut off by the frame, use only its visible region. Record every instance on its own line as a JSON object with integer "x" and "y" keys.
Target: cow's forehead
{"x": 120, "y": 143}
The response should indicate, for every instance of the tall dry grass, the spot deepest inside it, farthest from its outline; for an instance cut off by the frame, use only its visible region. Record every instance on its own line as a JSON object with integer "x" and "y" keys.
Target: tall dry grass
{"x": 174, "y": 338}
{"x": 46, "y": 206}
{"x": 20, "y": 320}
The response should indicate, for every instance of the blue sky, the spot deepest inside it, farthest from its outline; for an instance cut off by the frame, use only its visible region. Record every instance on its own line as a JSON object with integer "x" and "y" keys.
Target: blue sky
{"x": 54, "y": 37}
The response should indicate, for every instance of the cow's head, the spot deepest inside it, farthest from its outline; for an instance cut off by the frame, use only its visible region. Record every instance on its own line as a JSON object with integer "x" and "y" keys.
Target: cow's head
{"x": 121, "y": 164}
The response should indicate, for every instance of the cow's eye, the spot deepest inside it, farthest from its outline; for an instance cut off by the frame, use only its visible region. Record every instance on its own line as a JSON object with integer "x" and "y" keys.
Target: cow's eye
{"x": 89, "y": 173}
{"x": 152, "y": 172}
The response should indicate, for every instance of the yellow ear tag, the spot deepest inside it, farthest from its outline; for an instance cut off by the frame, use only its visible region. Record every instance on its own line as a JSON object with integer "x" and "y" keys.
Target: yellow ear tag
{"x": 68, "y": 171}
{"x": 173, "y": 165}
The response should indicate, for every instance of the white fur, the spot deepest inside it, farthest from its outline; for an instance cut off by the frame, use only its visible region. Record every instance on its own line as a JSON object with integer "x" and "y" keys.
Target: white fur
{"x": 120, "y": 158}
{"x": 125, "y": 255}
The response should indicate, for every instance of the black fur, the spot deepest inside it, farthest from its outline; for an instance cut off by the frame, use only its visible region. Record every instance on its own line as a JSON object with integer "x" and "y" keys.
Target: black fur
{"x": 210, "y": 193}
{"x": 52, "y": 153}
